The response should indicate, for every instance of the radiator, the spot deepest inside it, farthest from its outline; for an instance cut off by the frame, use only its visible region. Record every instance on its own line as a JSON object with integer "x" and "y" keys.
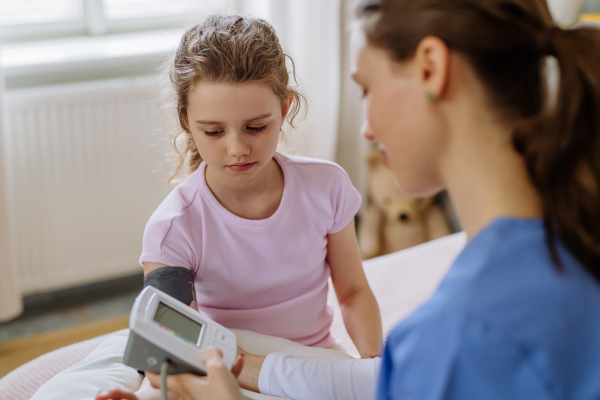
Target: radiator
{"x": 87, "y": 170}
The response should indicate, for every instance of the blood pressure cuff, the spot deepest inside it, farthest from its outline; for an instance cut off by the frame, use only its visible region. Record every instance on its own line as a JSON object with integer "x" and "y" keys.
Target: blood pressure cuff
{"x": 177, "y": 282}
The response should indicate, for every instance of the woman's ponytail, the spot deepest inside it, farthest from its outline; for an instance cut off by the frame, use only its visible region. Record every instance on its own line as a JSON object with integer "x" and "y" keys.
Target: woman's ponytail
{"x": 508, "y": 43}
{"x": 562, "y": 151}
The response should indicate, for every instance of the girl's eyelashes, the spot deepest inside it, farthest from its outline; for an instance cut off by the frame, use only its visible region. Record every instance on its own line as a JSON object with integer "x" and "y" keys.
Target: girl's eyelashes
{"x": 256, "y": 128}
{"x": 253, "y": 129}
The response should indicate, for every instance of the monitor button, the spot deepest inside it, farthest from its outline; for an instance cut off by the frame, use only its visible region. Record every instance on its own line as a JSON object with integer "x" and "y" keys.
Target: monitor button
{"x": 225, "y": 339}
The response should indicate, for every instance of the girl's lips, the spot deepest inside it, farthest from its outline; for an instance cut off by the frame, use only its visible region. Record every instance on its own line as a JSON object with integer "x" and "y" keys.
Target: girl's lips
{"x": 241, "y": 167}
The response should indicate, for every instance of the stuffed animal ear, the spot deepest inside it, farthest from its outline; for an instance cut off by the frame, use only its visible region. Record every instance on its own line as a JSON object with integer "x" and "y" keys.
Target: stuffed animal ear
{"x": 373, "y": 158}
{"x": 424, "y": 202}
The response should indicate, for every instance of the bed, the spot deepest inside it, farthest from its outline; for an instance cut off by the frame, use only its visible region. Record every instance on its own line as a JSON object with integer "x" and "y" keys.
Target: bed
{"x": 401, "y": 282}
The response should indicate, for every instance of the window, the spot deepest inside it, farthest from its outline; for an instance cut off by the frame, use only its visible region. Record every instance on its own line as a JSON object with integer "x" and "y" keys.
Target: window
{"x": 124, "y": 9}
{"x": 16, "y": 12}
{"x": 41, "y": 19}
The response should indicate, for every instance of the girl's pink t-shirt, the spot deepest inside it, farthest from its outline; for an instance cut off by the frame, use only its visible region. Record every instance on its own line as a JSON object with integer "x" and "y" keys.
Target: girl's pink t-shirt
{"x": 270, "y": 275}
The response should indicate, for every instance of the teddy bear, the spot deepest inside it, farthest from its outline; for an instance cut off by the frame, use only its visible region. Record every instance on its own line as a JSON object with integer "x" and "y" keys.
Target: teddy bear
{"x": 394, "y": 221}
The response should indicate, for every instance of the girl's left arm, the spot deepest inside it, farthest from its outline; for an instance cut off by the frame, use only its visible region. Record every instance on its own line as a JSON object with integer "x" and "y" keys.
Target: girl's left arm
{"x": 357, "y": 302}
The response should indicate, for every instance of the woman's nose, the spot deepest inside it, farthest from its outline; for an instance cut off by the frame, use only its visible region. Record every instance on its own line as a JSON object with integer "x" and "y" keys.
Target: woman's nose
{"x": 366, "y": 131}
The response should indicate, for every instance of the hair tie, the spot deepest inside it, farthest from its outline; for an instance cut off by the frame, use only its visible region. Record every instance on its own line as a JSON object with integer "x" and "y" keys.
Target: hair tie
{"x": 547, "y": 41}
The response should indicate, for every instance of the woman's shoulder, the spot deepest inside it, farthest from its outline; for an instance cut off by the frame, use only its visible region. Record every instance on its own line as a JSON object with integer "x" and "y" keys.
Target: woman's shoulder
{"x": 504, "y": 288}
{"x": 510, "y": 265}
{"x": 506, "y": 274}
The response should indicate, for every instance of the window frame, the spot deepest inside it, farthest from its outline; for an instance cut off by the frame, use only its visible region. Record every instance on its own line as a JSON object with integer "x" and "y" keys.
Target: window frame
{"x": 93, "y": 22}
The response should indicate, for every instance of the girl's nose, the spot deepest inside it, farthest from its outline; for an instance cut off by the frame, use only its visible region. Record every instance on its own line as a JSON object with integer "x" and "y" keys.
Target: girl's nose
{"x": 366, "y": 131}
{"x": 237, "y": 147}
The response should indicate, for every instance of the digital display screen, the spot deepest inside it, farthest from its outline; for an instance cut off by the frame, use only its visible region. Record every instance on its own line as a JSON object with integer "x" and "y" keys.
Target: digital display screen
{"x": 177, "y": 323}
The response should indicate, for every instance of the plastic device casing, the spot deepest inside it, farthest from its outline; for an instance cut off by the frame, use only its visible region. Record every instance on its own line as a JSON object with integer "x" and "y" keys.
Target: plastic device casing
{"x": 150, "y": 344}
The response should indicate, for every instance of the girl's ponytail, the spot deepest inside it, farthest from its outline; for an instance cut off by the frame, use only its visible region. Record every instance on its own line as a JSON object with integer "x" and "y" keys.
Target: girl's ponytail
{"x": 562, "y": 150}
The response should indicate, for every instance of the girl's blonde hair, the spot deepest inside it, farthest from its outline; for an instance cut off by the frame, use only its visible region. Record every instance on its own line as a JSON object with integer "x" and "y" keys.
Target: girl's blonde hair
{"x": 225, "y": 49}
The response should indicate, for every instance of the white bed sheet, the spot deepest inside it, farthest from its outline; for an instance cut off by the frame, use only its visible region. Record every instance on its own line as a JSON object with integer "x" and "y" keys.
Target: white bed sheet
{"x": 103, "y": 367}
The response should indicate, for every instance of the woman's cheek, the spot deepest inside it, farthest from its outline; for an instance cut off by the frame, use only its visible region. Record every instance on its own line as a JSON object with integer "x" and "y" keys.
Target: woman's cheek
{"x": 377, "y": 117}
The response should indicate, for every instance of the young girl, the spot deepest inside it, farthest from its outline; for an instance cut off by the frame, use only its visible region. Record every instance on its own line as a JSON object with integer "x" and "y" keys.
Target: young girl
{"x": 261, "y": 232}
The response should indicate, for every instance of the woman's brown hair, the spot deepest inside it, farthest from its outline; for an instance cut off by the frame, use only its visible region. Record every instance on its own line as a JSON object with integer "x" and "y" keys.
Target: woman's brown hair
{"x": 508, "y": 42}
{"x": 224, "y": 49}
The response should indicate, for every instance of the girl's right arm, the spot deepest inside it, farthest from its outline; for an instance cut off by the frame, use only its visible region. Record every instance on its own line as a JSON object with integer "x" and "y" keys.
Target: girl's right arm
{"x": 151, "y": 266}
{"x": 146, "y": 391}
{"x": 177, "y": 282}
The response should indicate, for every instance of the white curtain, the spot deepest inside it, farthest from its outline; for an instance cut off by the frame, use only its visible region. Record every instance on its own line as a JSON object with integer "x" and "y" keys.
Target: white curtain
{"x": 11, "y": 303}
{"x": 351, "y": 147}
{"x": 310, "y": 32}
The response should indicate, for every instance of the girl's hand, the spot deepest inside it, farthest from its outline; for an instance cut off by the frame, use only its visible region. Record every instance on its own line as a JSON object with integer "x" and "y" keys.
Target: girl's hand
{"x": 115, "y": 394}
{"x": 248, "y": 378}
{"x": 368, "y": 356}
{"x": 220, "y": 383}
{"x": 145, "y": 392}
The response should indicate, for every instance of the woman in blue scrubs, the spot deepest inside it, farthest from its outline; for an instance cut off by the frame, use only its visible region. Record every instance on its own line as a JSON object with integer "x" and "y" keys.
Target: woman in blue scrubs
{"x": 458, "y": 92}
{"x": 495, "y": 103}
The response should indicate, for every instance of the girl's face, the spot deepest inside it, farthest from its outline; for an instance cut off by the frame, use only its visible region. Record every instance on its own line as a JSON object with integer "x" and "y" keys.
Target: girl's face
{"x": 398, "y": 116}
{"x": 235, "y": 126}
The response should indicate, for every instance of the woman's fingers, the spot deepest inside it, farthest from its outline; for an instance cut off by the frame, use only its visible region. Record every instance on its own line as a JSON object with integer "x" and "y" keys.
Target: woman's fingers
{"x": 183, "y": 385}
{"x": 154, "y": 379}
{"x": 215, "y": 366}
{"x": 220, "y": 380}
{"x": 219, "y": 383}
{"x": 115, "y": 394}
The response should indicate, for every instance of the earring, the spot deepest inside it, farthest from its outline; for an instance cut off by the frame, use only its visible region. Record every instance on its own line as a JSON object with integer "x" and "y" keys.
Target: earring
{"x": 430, "y": 96}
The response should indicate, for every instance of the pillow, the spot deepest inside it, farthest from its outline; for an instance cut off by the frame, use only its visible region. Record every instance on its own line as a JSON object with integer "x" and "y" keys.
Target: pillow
{"x": 103, "y": 368}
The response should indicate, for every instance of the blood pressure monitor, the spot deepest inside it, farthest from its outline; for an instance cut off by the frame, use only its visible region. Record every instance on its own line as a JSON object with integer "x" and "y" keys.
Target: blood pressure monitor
{"x": 164, "y": 329}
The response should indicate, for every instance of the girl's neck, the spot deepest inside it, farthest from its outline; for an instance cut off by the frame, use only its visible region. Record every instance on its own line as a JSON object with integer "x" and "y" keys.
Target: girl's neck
{"x": 256, "y": 198}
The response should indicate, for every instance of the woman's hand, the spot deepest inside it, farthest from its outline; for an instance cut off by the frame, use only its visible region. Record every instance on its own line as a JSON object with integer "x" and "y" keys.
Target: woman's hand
{"x": 220, "y": 383}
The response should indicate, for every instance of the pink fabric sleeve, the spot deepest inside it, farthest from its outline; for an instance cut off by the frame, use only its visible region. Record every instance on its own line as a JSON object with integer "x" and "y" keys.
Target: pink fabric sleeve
{"x": 168, "y": 237}
{"x": 345, "y": 200}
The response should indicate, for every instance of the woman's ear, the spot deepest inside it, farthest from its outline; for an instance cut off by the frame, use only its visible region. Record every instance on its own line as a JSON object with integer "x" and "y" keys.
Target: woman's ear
{"x": 433, "y": 61}
{"x": 285, "y": 108}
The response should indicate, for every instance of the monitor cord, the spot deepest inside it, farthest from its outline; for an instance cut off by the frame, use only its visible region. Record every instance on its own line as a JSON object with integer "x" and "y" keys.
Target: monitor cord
{"x": 164, "y": 370}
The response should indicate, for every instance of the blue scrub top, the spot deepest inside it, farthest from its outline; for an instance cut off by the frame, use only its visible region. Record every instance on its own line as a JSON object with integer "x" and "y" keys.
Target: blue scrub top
{"x": 503, "y": 324}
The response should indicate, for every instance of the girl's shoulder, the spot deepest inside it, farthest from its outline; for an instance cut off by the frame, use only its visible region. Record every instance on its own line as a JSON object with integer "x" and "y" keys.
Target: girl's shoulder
{"x": 312, "y": 169}
{"x": 179, "y": 200}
